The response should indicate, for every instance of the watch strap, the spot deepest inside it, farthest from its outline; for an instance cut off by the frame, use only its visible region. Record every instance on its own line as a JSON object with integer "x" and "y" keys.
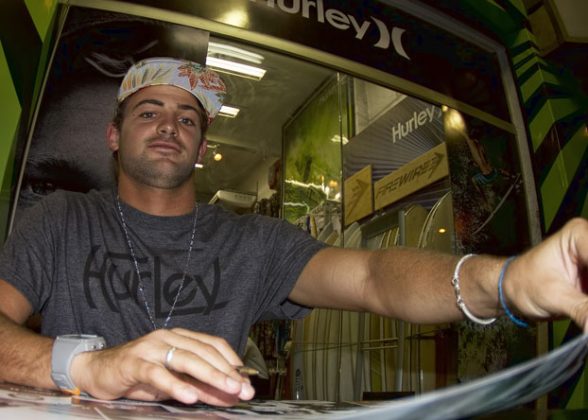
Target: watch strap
{"x": 65, "y": 348}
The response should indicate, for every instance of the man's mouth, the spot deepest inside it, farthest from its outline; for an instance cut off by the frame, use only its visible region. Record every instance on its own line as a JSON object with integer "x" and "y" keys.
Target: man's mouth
{"x": 165, "y": 145}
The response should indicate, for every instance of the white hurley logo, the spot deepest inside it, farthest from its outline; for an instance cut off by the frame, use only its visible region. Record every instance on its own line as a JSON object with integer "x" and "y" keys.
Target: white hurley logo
{"x": 342, "y": 21}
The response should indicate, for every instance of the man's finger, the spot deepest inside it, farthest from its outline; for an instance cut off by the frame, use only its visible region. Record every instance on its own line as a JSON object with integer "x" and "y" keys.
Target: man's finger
{"x": 190, "y": 363}
{"x": 213, "y": 351}
{"x": 212, "y": 396}
{"x": 166, "y": 382}
{"x": 218, "y": 343}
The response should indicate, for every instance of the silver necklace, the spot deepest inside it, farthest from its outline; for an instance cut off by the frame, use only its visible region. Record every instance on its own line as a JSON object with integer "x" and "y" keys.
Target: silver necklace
{"x": 136, "y": 264}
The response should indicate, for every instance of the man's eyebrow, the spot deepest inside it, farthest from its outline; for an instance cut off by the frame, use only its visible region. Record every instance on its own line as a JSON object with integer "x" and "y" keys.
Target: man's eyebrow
{"x": 189, "y": 107}
{"x": 160, "y": 103}
{"x": 148, "y": 101}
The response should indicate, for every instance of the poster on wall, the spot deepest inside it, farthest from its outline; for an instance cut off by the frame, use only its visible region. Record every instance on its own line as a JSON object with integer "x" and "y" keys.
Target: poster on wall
{"x": 67, "y": 149}
{"x": 488, "y": 199}
{"x": 490, "y": 216}
{"x": 425, "y": 170}
{"x": 312, "y": 159}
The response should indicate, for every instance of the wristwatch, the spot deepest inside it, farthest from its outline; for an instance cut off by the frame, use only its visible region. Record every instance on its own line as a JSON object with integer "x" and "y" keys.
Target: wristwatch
{"x": 65, "y": 348}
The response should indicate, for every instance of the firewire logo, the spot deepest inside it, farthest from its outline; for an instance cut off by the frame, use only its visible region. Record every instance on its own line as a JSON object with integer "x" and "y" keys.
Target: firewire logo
{"x": 342, "y": 21}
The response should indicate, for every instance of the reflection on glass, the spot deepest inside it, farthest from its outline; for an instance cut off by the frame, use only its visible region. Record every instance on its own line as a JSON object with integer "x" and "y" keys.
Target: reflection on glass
{"x": 312, "y": 185}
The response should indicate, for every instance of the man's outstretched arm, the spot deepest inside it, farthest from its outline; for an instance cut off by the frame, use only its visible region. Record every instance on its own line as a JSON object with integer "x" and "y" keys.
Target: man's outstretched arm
{"x": 548, "y": 281}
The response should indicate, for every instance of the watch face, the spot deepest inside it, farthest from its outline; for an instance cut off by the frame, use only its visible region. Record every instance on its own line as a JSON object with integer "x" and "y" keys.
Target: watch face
{"x": 88, "y": 342}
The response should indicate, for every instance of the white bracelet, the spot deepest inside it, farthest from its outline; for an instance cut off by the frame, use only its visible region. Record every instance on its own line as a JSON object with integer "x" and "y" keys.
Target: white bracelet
{"x": 460, "y": 303}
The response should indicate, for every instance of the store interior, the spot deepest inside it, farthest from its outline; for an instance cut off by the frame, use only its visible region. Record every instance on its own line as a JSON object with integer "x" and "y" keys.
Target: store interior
{"x": 313, "y": 129}
{"x": 282, "y": 155}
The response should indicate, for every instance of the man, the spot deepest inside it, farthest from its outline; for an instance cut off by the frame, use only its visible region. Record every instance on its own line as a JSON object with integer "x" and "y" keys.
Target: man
{"x": 173, "y": 287}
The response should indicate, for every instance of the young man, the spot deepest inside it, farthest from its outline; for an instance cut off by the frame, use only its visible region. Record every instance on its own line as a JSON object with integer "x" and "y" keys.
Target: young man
{"x": 173, "y": 287}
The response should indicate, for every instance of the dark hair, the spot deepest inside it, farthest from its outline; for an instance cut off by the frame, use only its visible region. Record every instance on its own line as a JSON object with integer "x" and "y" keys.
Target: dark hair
{"x": 118, "y": 115}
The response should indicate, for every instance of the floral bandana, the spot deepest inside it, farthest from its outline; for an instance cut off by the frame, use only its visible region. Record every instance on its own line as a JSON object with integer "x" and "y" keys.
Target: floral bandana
{"x": 200, "y": 81}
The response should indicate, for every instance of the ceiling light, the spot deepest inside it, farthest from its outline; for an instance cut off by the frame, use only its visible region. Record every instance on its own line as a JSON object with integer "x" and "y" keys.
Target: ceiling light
{"x": 216, "y": 154}
{"x": 228, "y": 111}
{"x": 338, "y": 139}
{"x": 235, "y": 18}
{"x": 198, "y": 165}
{"x": 216, "y": 49}
{"x": 454, "y": 121}
{"x": 237, "y": 69}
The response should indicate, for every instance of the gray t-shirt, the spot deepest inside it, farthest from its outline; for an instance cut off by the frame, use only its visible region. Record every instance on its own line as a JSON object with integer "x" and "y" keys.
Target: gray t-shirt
{"x": 70, "y": 258}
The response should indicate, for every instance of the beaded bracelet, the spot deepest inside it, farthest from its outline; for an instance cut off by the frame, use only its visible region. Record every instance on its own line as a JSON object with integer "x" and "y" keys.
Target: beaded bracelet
{"x": 460, "y": 303}
{"x": 508, "y": 312}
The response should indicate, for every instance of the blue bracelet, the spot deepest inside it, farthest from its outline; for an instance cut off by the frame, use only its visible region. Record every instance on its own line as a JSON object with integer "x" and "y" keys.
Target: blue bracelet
{"x": 508, "y": 312}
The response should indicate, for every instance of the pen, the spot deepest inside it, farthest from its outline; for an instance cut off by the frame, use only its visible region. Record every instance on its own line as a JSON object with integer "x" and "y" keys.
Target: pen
{"x": 246, "y": 370}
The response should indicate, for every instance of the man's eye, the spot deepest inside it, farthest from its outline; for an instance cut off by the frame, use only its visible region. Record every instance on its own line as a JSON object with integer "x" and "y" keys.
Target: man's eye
{"x": 147, "y": 114}
{"x": 187, "y": 121}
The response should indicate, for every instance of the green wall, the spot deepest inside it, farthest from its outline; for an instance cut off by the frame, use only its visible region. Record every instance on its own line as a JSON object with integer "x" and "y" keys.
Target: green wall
{"x": 554, "y": 107}
{"x": 25, "y": 32}
{"x": 555, "y": 110}
{"x": 10, "y": 112}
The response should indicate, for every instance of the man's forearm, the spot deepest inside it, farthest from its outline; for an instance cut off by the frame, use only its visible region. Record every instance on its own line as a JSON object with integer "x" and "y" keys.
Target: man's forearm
{"x": 415, "y": 285}
{"x": 25, "y": 356}
{"x": 403, "y": 283}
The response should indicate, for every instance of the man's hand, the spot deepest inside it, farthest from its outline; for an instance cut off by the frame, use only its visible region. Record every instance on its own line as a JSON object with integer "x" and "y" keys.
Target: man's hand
{"x": 551, "y": 279}
{"x": 201, "y": 370}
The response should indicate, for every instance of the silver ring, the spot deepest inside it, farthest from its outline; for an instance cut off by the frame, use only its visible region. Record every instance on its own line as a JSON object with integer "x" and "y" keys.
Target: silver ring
{"x": 169, "y": 356}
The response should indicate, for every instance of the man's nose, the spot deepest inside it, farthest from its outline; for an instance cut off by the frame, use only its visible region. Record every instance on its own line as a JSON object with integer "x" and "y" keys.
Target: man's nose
{"x": 168, "y": 127}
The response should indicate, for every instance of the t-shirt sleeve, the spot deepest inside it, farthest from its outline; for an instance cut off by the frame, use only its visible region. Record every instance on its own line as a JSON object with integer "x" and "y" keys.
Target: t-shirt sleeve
{"x": 291, "y": 249}
{"x": 26, "y": 260}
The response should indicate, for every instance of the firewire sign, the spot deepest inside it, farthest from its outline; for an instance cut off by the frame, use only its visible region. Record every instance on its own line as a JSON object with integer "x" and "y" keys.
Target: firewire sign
{"x": 315, "y": 9}
{"x": 416, "y": 174}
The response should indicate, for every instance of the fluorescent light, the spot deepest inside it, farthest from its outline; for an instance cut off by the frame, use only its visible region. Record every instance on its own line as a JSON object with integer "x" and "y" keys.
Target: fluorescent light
{"x": 198, "y": 166}
{"x": 228, "y": 111}
{"x": 235, "y": 68}
{"x": 215, "y": 48}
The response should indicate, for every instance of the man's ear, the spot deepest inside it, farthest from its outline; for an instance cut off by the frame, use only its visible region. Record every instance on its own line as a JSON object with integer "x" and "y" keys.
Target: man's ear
{"x": 112, "y": 137}
{"x": 202, "y": 150}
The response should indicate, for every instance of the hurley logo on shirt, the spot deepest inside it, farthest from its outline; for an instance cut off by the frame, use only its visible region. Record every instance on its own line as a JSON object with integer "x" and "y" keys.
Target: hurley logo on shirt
{"x": 110, "y": 278}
